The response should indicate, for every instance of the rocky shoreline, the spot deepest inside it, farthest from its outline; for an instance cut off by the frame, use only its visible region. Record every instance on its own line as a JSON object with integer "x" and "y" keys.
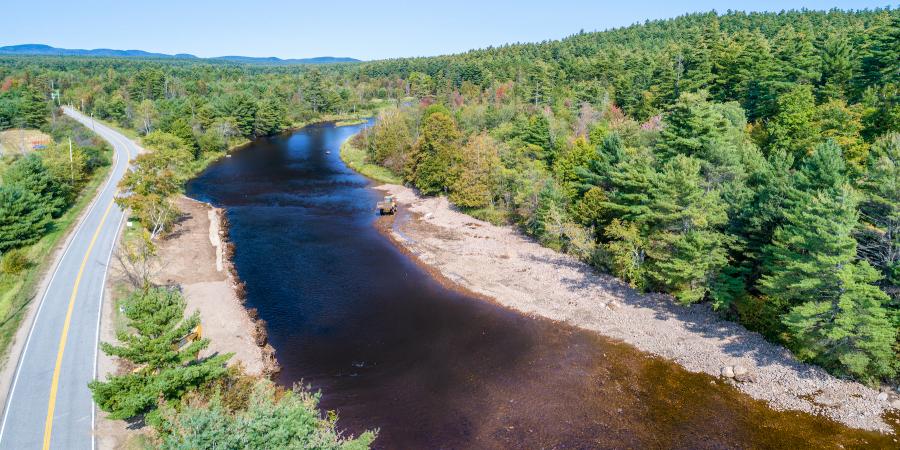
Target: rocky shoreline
{"x": 197, "y": 257}
{"x": 501, "y": 265}
{"x": 219, "y": 237}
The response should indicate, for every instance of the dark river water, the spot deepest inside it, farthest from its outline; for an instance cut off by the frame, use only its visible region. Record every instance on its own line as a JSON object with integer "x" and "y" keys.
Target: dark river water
{"x": 391, "y": 348}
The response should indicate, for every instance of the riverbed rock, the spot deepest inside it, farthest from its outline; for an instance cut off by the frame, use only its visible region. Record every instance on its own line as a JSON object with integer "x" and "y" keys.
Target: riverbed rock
{"x": 728, "y": 372}
{"x": 739, "y": 370}
{"x": 882, "y": 397}
{"x": 746, "y": 377}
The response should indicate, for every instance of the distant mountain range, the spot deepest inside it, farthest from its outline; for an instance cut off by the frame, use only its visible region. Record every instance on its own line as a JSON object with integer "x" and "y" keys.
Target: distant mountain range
{"x": 46, "y": 50}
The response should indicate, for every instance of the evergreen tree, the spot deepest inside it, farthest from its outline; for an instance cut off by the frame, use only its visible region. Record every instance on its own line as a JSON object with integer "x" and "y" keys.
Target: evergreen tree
{"x": 848, "y": 330}
{"x": 879, "y": 231}
{"x": 686, "y": 251}
{"x": 269, "y": 118}
{"x": 794, "y": 128}
{"x": 30, "y": 174}
{"x": 23, "y": 217}
{"x": 537, "y": 133}
{"x": 837, "y": 68}
{"x": 243, "y": 109}
{"x": 578, "y": 154}
{"x": 796, "y": 55}
{"x": 33, "y": 110}
{"x": 271, "y": 419}
{"x": 166, "y": 367}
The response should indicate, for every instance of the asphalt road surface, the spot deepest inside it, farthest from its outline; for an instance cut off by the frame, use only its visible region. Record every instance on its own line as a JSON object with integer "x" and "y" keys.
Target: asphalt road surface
{"x": 49, "y": 404}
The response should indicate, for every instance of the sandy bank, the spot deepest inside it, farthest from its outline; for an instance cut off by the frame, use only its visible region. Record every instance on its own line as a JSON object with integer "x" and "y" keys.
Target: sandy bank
{"x": 499, "y": 263}
{"x": 195, "y": 256}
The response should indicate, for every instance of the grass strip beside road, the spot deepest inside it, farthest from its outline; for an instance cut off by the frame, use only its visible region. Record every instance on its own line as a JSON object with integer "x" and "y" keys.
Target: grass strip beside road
{"x": 17, "y": 291}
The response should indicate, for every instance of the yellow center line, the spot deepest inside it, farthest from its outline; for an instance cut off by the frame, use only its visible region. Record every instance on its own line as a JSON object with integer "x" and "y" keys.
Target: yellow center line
{"x": 54, "y": 385}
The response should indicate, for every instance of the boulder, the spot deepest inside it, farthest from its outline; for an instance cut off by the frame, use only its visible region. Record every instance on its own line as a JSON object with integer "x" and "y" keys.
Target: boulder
{"x": 746, "y": 377}
{"x": 739, "y": 370}
{"x": 727, "y": 372}
{"x": 882, "y": 397}
{"x": 896, "y": 403}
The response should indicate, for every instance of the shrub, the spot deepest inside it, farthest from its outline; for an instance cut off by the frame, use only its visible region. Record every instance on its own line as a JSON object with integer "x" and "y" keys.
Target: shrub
{"x": 14, "y": 261}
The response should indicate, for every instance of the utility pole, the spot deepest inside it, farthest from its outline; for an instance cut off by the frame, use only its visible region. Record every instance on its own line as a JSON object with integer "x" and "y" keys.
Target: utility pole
{"x": 71, "y": 164}
{"x": 93, "y": 127}
{"x": 82, "y": 105}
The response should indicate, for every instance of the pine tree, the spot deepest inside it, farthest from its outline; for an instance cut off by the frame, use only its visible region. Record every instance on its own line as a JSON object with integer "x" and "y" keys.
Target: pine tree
{"x": 879, "y": 231}
{"x": 794, "y": 128}
{"x": 796, "y": 55}
{"x": 23, "y": 217}
{"x": 165, "y": 368}
{"x": 30, "y": 174}
{"x": 850, "y": 331}
{"x": 270, "y": 116}
{"x": 686, "y": 250}
{"x": 33, "y": 109}
{"x": 814, "y": 240}
{"x": 837, "y": 68}
{"x": 578, "y": 154}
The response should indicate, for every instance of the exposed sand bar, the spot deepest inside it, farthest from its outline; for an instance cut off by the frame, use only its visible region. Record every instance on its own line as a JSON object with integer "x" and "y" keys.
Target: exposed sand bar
{"x": 500, "y": 263}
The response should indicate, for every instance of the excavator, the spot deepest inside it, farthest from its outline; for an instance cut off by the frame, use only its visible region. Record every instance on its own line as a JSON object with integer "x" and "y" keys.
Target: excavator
{"x": 387, "y": 206}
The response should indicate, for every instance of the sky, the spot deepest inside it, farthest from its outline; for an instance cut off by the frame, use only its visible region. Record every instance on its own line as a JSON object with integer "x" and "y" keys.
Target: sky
{"x": 359, "y": 29}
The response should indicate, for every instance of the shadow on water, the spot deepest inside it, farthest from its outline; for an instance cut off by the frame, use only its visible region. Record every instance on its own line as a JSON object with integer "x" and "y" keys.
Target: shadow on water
{"x": 391, "y": 348}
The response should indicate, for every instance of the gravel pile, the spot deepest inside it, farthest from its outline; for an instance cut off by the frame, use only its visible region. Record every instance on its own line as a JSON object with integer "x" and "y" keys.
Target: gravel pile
{"x": 500, "y": 263}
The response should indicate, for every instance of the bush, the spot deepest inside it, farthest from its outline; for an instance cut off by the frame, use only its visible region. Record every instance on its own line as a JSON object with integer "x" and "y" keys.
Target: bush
{"x": 14, "y": 261}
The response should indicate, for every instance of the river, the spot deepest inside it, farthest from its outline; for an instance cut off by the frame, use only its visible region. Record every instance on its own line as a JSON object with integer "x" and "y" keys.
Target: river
{"x": 430, "y": 367}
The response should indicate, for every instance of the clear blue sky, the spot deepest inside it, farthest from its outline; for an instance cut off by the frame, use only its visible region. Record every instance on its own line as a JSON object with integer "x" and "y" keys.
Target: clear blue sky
{"x": 360, "y": 29}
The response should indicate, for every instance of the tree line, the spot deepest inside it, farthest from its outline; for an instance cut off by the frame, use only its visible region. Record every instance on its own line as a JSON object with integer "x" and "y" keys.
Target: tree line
{"x": 745, "y": 160}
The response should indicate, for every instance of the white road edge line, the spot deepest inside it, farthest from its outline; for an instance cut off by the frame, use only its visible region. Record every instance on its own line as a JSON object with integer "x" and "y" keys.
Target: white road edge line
{"x": 99, "y": 316}
{"x": 78, "y": 228}
{"x": 112, "y": 249}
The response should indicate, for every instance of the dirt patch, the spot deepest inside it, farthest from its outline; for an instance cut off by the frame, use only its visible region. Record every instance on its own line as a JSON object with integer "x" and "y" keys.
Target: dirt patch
{"x": 20, "y": 140}
{"x": 498, "y": 263}
{"x": 195, "y": 256}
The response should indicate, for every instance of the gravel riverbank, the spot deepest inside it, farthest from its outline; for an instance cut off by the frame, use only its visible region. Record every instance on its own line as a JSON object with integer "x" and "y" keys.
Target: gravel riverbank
{"x": 501, "y": 264}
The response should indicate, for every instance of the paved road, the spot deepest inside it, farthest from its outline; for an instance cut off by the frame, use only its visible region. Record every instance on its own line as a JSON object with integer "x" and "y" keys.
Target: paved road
{"x": 49, "y": 404}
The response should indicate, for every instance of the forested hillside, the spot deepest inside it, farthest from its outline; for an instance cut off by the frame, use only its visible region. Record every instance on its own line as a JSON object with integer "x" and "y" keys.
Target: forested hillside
{"x": 745, "y": 160}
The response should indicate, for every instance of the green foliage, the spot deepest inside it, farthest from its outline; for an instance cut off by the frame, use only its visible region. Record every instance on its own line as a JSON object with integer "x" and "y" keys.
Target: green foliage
{"x": 793, "y": 129}
{"x": 23, "y": 217}
{"x": 156, "y": 176}
{"x": 14, "y": 261}
{"x": 269, "y": 419}
{"x": 476, "y": 174}
{"x": 879, "y": 231}
{"x": 164, "y": 368}
{"x": 849, "y": 331}
{"x": 388, "y": 142}
{"x": 686, "y": 251}
{"x": 435, "y": 155}
{"x": 30, "y": 174}
{"x": 23, "y": 107}
{"x": 702, "y": 174}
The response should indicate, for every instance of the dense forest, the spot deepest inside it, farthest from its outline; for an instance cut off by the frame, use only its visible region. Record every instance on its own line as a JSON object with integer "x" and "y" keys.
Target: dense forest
{"x": 745, "y": 160}
{"x": 749, "y": 161}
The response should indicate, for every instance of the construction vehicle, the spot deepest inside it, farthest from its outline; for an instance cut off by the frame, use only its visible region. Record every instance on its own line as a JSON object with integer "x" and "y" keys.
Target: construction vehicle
{"x": 387, "y": 206}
